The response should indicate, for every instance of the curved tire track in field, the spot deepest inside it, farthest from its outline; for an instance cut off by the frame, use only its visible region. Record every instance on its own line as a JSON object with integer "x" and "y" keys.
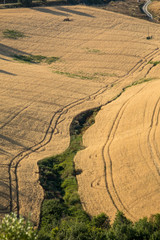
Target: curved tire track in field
{"x": 140, "y": 65}
{"x": 107, "y": 145}
{"x": 135, "y": 202}
{"x": 154, "y": 152}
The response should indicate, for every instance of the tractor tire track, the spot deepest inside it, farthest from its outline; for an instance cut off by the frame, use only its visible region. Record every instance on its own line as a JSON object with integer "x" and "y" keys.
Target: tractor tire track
{"x": 142, "y": 63}
{"x": 154, "y": 152}
{"x": 107, "y": 145}
{"x": 154, "y": 135}
{"x": 148, "y": 194}
{"x": 139, "y": 66}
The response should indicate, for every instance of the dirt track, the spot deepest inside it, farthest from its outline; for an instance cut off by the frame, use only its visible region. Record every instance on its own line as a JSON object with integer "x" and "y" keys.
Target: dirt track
{"x": 37, "y": 104}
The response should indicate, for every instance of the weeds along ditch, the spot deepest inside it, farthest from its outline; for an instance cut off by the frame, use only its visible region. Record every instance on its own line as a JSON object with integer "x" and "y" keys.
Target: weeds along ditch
{"x": 13, "y": 34}
{"x": 58, "y": 179}
{"x": 35, "y": 59}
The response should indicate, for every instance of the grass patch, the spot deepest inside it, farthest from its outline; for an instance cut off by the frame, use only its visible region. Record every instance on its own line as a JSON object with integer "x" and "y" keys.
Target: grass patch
{"x": 140, "y": 81}
{"x": 154, "y": 62}
{"x": 50, "y": 60}
{"x": 72, "y": 75}
{"x": 106, "y": 74}
{"x": 13, "y": 34}
{"x": 84, "y": 76}
{"x": 96, "y": 51}
{"x": 35, "y": 59}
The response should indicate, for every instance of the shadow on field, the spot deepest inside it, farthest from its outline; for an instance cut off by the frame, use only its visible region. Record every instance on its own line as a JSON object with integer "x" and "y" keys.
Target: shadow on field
{"x": 5, "y": 59}
{"x": 12, "y": 141}
{"x": 62, "y": 11}
{"x": 9, "y": 51}
{"x": 5, "y": 72}
{"x": 45, "y": 10}
{"x": 2, "y": 151}
{"x": 5, "y": 196}
{"x": 74, "y": 12}
{"x": 2, "y": 208}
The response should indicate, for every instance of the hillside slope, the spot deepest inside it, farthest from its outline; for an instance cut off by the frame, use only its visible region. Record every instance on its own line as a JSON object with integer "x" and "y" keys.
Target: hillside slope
{"x": 121, "y": 162}
{"x": 99, "y": 54}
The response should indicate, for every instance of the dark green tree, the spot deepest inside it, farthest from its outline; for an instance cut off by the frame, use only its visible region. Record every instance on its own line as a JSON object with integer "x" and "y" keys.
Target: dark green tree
{"x": 101, "y": 221}
{"x": 144, "y": 229}
{"x": 122, "y": 228}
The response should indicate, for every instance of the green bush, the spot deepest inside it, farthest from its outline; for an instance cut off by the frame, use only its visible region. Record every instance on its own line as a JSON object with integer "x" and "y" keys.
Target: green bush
{"x": 120, "y": 219}
{"x": 144, "y": 228}
{"x": 155, "y": 220}
{"x": 43, "y": 235}
{"x": 155, "y": 236}
{"x": 51, "y": 213}
{"x": 14, "y": 228}
{"x": 13, "y": 34}
{"x": 76, "y": 212}
{"x": 122, "y": 228}
{"x": 101, "y": 221}
{"x": 72, "y": 230}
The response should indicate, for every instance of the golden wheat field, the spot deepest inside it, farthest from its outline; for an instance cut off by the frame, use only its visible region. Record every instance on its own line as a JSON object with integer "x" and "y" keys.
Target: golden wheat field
{"x": 99, "y": 54}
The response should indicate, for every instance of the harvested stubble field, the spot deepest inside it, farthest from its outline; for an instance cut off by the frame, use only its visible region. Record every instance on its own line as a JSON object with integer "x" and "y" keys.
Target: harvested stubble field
{"x": 99, "y": 54}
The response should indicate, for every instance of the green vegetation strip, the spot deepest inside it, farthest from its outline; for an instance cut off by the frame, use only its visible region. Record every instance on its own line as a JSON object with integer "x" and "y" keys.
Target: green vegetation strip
{"x": 140, "y": 81}
{"x": 83, "y": 75}
{"x": 154, "y": 62}
{"x": 14, "y": 34}
{"x": 35, "y": 59}
{"x": 72, "y": 75}
{"x": 58, "y": 179}
{"x": 94, "y": 51}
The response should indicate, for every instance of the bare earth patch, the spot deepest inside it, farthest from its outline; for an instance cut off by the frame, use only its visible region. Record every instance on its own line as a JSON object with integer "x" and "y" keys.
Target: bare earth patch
{"x": 39, "y": 101}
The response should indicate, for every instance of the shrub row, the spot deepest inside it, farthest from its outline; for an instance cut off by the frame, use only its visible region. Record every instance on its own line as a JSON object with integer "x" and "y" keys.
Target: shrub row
{"x": 61, "y": 204}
